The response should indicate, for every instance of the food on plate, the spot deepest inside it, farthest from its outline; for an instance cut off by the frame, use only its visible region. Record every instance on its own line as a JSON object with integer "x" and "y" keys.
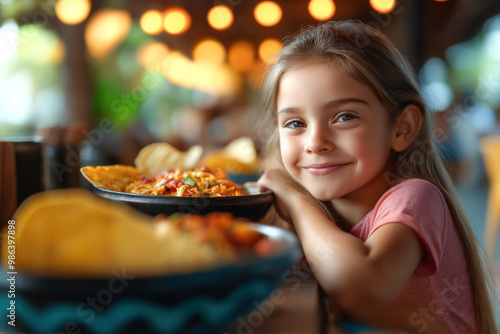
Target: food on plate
{"x": 73, "y": 233}
{"x": 238, "y": 157}
{"x": 115, "y": 177}
{"x": 157, "y": 157}
{"x": 199, "y": 182}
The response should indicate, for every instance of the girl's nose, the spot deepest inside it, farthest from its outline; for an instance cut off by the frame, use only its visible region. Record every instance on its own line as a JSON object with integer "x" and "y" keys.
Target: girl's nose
{"x": 318, "y": 141}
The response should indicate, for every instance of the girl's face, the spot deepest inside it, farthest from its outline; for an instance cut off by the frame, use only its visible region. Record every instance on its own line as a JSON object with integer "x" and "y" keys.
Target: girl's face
{"x": 334, "y": 134}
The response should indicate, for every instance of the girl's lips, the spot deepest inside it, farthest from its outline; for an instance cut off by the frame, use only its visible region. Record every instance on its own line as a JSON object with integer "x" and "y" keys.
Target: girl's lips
{"x": 324, "y": 169}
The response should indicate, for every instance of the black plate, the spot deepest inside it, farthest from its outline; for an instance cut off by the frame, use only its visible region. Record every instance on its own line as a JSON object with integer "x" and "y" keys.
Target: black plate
{"x": 253, "y": 206}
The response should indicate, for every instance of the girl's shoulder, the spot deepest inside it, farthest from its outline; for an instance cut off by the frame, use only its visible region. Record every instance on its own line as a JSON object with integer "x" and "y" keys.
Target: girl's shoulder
{"x": 417, "y": 184}
{"x": 415, "y": 198}
{"x": 416, "y": 189}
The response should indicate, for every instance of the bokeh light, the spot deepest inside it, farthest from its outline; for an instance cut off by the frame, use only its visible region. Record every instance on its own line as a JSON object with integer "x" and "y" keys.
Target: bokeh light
{"x": 220, "y": 17}
{"x": 268, "y": 13}
{"x": 116, "y": 23}
{"x": 211, "y": 51}
{"x": 177, "y": 20}
{"x": 383, "y": 6}
{"x": 152, "y": 54}
{"x": 321, "y": 10}
{"x": 269, "y": 50}
{"x": 151, "y": 22}
{"x": 72, "y": 12}
{"x": 437, "y": 95}
{"x": 241, "y": 55}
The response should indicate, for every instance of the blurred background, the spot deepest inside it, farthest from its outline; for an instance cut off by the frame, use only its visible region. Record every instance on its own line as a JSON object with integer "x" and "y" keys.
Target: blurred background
{"x": 95, "y": 81}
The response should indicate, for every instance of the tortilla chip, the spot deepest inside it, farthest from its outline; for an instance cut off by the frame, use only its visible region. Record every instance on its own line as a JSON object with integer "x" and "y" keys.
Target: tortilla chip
{"x": 114, "y": 177}
{"x": 238, "y": 157}
{"x": 158, "y": 157}
{"x": 73, "y": 233}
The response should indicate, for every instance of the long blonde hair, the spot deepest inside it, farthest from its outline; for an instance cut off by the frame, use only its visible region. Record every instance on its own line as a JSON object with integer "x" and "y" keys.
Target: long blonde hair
{"x": 370, "y": 57}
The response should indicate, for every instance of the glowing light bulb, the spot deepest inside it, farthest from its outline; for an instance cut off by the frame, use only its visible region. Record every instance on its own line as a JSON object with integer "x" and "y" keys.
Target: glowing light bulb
{"x": 267, "y": 13}
{"x": 269, "y": 50}
{"x": 151, "y": 22}
{"x": 210, "y": 50}
{"x": 241, "y": 56}
{"x": 177, "y": 21}
{"x": 220, "y": 17}
{"x": 72, "y": 12}
{"x": 321, "y": 10}
{"x": 383, "y": 6}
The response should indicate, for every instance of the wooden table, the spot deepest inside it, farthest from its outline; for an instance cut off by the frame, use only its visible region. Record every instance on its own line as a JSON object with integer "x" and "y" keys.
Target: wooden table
{"x": 293, "y": 308}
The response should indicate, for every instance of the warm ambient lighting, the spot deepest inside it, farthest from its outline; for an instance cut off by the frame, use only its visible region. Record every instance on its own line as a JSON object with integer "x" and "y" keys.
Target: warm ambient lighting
{"x": 220, "y": 17}
{"x": 321, "y": 10}
{"x": 151, "y": 22}
{"x": 152, "y": 54}
{"x": 383, "y": 6}
{"x": 241, "y": 56}
{"x": 177, "y": 21}
{"x": 269, "y": 50}
{"x": 267, "y": 13}
{"x": 114, "y": 22}
{"x": 209, "y": 50}
{"x": 72, "y": 12}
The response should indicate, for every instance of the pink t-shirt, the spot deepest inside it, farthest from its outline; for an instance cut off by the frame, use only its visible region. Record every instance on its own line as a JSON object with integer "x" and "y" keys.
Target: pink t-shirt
{"x": 440, "y": 285}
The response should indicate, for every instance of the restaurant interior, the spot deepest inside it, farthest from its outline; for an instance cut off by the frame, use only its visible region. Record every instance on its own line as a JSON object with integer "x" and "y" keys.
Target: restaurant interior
{"x": 95, "y": 81}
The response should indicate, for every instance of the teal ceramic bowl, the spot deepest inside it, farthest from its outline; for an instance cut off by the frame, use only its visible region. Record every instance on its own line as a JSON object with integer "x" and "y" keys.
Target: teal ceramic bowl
{"x": 243, "y": 178}
{"x": 198, "y": 302}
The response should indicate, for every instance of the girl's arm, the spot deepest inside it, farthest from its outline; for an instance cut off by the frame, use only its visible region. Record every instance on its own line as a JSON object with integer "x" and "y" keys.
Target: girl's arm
{"x": 360, "y": 278}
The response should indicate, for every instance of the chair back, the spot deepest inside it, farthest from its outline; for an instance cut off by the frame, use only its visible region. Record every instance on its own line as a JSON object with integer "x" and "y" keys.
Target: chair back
{"x": 490, "y": 147}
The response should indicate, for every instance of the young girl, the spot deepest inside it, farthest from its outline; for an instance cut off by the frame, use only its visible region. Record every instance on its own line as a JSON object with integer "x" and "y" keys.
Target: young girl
{"x": 360, "y": 179}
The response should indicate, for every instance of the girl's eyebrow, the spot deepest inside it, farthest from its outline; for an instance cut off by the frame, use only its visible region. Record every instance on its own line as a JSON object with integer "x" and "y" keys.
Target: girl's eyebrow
{"x": 336, "y": 103}
{"x": 333, "y": 103}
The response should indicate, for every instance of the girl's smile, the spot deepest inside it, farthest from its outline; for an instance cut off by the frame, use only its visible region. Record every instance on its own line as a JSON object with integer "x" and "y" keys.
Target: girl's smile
{"x": 324, "y": 169}
{"x": 335, "y": 137}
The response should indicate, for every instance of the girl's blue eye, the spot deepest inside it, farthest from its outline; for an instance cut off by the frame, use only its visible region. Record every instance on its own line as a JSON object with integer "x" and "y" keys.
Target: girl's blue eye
{"x": 293, "y": 124}
{"x": 346, "y": 117}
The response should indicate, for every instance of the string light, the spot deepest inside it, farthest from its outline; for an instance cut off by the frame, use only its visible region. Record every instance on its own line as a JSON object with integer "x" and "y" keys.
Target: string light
{"x": 220, "y": 17}
{"x": 241, "y": 56}
{"x": 72, "y": 12}
{"x": 210, "y": 50}
{"x": 269, "y": 50}
{"x": 116, "y": 23}
{"x": 177, "y": 21}
{"x": 151, "y": 22}
{"x": 267, "y": 13}
{"x": 383, "y": 6}
{"x": 152, "y": 54}
{"x": 321, "y": 10}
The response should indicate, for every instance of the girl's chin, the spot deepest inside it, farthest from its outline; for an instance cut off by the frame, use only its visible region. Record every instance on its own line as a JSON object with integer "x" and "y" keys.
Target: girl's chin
{"x": 322, "y": 195}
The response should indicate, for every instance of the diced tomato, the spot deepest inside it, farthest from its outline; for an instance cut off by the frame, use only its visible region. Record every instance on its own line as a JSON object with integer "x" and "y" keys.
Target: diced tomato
{"x": 220, "y": 174}
{"x": 264, "y": 246}
{"x": 220, "y": 220}
{"x": 206, "y": 169}
{"x": 241, "y": 233}
{"x": 193, "y": 222}
{"x": 175, "y": 183}
{"x": 145, "y": 180}
{"x": 188, "y": 193}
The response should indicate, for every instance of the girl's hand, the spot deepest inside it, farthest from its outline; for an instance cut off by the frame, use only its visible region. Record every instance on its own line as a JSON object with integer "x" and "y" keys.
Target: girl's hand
{"x": 278, "y": 181}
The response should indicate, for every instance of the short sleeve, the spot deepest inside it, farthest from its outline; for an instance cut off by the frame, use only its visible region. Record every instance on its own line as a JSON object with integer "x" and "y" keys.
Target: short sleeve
{"x": 421, "y": 206}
